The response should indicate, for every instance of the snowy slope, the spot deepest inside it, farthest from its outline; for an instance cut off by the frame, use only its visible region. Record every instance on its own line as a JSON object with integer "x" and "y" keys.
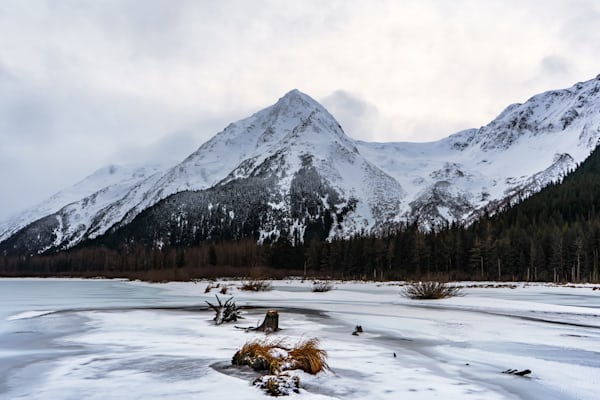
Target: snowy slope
{"x": 85, "y": 198}
{"x": 295, "y": 126}
{"x": 526, "y": 147}
{"x": 373, "y": 186}
{"x": 306, "y": 171}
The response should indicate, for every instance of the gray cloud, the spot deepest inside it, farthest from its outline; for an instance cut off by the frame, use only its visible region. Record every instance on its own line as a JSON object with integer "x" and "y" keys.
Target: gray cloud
{"x": 23, "y": 113}
{"x": 552, "y": 64}
{"x": 88, "y": 83}
{"x": 359, "y": 118}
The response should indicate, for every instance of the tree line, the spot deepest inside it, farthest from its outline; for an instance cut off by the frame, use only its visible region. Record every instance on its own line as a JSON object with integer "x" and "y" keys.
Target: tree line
{"x": 553, "y": 235}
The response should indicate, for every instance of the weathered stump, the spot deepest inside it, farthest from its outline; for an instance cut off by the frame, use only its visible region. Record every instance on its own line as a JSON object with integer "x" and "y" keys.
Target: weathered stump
{"x": 270, "y": 323}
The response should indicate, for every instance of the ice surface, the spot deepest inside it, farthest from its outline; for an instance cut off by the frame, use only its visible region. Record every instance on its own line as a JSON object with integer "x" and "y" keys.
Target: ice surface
{"x": 118, "y": 339}
{"x": 29, "y": 314}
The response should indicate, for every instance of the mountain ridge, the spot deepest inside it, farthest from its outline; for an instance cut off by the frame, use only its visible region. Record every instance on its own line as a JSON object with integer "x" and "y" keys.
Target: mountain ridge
{"x": 385, "y": 184}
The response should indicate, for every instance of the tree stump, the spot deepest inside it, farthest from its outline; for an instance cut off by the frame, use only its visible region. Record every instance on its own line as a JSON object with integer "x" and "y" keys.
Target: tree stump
{"x": 270, "y": 323}
{"x": 357, "y": 330}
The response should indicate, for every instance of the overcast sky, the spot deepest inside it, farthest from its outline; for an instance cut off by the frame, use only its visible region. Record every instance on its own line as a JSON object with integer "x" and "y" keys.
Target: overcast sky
{"x": 84, "y": 84}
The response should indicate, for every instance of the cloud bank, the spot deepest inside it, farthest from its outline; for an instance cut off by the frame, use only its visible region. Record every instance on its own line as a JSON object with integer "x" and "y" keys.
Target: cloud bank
{"x": 86, "y": 83}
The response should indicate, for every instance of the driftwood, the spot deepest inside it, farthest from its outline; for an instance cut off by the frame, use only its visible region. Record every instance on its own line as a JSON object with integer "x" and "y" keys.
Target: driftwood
{"x": 517, "y": 372}
{"x": 278, "y": 385}
{"x": 269, "y": 324}
{"x": 225, "y": 312}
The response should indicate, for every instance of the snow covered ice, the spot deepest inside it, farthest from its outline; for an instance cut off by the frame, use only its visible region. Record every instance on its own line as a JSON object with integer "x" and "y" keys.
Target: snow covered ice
{"x": 98, "y": 339}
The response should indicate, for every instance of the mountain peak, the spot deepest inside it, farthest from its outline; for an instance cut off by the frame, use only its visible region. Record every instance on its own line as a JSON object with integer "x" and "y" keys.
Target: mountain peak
{"x": 571, "y": 112}
{"x": 296, "y": 95}
{"x": 292, "y": 116}
{"x": 297, "y": 101}
{"x": 291, "y": 165}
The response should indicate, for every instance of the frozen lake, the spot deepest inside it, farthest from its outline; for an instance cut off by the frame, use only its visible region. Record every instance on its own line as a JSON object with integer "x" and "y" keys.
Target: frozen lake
{"x": 111, "y": 339}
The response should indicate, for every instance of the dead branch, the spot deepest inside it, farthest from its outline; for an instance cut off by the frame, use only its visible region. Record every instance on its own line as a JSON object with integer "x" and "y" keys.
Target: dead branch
{"x": 225, "y": 312}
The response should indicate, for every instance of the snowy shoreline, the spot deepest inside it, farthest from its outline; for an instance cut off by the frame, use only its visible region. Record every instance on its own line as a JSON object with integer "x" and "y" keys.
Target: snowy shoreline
{"x": 146, "y": 340}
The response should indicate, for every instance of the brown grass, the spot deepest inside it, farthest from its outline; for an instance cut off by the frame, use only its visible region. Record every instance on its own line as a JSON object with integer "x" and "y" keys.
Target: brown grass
{"x": 256, "y": 285}
{"x": 308, "y": 357}
{"x": 275, "y": 356}
{"x": 322, "y": 286}
{"x": 430, "y": 291}
{"x": 260, "y": 354}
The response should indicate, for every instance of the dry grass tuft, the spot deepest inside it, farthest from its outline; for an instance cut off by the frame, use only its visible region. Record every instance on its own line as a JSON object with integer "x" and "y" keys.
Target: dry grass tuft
{"x": 261, "y": 354}
{"x": 212, "y": 286}
{"x": 430, "y": 291}
{"x": 256, "y": 285}
{"x": 308, "y": 357}
{"x": 276, "y": 356}
{"x": 322, "y": 286}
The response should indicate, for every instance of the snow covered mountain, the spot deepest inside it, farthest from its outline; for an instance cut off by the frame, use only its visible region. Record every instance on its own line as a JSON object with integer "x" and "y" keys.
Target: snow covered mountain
{"x": 71, "y": 215}
{"x": 291, "y": 170}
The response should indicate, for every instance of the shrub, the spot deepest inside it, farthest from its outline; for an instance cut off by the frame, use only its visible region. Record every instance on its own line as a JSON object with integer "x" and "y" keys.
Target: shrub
{"x": 430, "y": 291}
{"x": 211, "y": 286}
{"x": 322, "y": 286}
{"x": 256, "y": 285}
{"x": 275, "y": 356}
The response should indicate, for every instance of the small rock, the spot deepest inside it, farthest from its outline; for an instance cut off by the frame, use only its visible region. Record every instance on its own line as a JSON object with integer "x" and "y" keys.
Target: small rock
{"x": 278, "y": 385}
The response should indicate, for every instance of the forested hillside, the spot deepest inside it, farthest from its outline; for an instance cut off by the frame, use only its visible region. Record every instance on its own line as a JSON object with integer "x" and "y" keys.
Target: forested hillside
{"x": 553, "y": 235}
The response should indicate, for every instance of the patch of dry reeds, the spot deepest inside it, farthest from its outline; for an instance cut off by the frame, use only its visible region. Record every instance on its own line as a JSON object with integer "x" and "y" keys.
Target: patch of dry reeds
{"x": 256, "y": 285}
{"x": 322, "y": 286}
{"x": 308, "y": 357}
{"x": 430, "y": 291}
{"x": 276, "y": 355}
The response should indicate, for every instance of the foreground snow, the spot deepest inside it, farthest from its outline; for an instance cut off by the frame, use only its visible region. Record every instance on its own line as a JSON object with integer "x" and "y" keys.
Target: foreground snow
{"x": 452, "y": 349}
